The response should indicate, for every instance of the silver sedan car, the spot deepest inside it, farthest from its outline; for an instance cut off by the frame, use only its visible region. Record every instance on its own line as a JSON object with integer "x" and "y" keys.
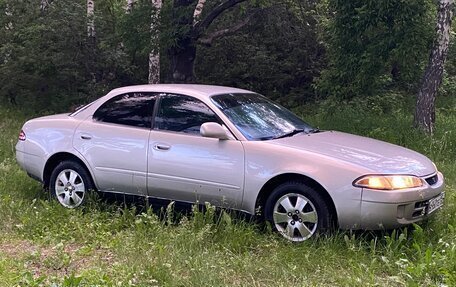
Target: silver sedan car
{"x": 232, "y": 148}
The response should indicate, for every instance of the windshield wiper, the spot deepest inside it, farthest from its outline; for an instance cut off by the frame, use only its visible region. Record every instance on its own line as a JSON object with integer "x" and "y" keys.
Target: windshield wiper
{"x": 290, "y": 134}
{"x": 313, "y": 131}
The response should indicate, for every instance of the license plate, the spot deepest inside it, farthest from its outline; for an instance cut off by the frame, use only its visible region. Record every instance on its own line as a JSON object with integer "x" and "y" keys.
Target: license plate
{"x": 435, "y": 203}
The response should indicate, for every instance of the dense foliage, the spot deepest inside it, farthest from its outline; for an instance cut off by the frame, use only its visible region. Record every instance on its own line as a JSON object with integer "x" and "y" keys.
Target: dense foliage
{"x": 47, "y": 60}
{"x": 375, "y": 44}
{"x": 278, "y": 54}
{"x": 344, "y": 48}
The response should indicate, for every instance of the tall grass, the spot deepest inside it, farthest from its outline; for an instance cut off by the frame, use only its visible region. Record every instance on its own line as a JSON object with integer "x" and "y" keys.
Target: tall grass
{"x": 106, "y": 244}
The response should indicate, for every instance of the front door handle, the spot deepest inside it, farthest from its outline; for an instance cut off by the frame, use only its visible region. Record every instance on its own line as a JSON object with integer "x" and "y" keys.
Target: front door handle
{"x": 86, "y": 136}
{"x": 161, "y": 147}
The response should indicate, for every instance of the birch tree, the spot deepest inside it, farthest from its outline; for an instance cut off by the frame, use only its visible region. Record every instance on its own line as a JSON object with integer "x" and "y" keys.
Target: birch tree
{"x": 5, "y": 55}
{"x": 198, "y": 10}
{"x": 154, "y": 55}
{"x": 44, "y": 4}
{"x": 129, "y": 6}
{"x": 425, "y": 101}
{"x": 91, "y": 18}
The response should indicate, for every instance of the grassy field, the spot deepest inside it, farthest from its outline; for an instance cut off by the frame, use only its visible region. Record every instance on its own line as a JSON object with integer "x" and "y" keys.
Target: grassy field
{"x": 42, "y": 244}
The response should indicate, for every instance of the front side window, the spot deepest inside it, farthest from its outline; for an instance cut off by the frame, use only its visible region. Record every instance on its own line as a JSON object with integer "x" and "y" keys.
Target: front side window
{"x": 183, "y": 114}
{"x": 132, "y": 109}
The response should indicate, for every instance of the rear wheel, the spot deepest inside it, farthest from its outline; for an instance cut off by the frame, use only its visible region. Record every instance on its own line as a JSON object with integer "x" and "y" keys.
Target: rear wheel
{"x": 297, "y": 211}
{"x": 70, "y": 183}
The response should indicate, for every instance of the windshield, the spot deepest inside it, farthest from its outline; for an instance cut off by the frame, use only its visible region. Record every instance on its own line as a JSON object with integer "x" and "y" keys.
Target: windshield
{"x": 258, "y": 118}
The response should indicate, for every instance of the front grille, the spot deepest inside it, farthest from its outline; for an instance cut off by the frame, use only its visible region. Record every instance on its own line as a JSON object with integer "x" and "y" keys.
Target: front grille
{"x": 432, "y": 180}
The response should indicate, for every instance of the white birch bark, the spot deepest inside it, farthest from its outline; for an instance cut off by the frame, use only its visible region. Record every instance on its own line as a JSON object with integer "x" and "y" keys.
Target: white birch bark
{"x": 425, "y": 102}
{"x": 154, "y": 55}
{"x": 91, "y": 18}
{"x": 198, "y": 10}
{"x": 9, "y": 29}
{"x": 8, "y": 13}
{"x": 43, "y": 5}
{"x": 129, "y": 6}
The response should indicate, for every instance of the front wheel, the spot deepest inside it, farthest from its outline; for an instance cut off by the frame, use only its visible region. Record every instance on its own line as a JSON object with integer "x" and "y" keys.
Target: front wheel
{"x": 297, "y": 211}
{"x": 70, "y": 183}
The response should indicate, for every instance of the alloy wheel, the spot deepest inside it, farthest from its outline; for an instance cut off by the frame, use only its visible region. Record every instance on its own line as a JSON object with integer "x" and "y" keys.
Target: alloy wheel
{"x": 295, "y": 217}
{"x": 69, "y": 188}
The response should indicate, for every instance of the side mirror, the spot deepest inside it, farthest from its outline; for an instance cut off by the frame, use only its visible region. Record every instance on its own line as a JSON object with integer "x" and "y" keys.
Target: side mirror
{"x": 213, "y": 130}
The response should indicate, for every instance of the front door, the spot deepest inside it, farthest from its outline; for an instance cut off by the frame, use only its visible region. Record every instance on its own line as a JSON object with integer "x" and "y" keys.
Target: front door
{"x": 185, "y": 166}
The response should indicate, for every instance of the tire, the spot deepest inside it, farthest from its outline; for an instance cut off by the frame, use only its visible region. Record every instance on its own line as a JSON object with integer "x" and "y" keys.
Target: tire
{"x": 70, "y": 183}
{"x": 297, "y": 211}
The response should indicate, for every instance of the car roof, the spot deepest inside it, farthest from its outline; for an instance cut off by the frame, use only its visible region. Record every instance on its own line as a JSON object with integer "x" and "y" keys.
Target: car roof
{"x": 195, "y": 90}
{"x": 188, "y": 89}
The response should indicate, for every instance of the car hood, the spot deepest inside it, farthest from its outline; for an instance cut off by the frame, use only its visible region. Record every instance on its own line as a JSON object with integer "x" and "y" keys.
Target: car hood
{"x": 375, "y": 155}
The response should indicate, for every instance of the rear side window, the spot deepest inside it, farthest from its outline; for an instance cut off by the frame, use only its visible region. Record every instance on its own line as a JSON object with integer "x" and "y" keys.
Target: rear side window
{"x": 132, "y": 109}
{"x": 184, "y": 114}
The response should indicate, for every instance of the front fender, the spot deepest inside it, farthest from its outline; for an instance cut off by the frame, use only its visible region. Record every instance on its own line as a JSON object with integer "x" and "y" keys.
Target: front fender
{"x": 334, "y": 176}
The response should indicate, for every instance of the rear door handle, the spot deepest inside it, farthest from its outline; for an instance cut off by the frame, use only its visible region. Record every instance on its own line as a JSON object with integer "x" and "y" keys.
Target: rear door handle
{"x": 161, "y": 147}
{"x": 86, "y": 136}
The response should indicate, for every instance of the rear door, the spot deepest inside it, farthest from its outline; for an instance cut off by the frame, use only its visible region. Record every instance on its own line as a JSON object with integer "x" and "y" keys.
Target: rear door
{"x": 185, "y": 166}
{"x": 115, "y": 142}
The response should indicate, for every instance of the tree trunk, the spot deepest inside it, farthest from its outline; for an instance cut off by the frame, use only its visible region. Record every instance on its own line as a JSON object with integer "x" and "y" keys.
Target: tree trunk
{"x": 395, "y": 72}
{"x": 90, "y": 18}
{"x": 198, "y": 11}
{"x": 425, "y": 102}
{"x": 182, "y": 61}
{"x": 182, "y": 55}
{"x": 129, "y": 6}
{"x": 43, "y": 5}
{"x": 8, "y": 13}
{"x": 91, "y": 57}
{"x": 154, "y": 55}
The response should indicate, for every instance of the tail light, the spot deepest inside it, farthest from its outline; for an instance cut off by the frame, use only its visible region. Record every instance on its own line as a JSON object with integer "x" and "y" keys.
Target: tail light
{"x": 22, "y": 136}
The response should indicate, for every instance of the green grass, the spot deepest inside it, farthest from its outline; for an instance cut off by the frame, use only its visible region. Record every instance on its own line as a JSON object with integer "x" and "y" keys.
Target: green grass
{"x": 42, "y": 244}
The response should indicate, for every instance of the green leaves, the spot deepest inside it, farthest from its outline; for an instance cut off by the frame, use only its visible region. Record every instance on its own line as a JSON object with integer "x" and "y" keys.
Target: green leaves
{"x": 278, "y": 53}
{"x": 374, "y": 44}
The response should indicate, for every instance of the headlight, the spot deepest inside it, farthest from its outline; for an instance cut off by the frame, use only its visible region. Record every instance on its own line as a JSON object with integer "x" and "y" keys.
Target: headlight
{"x": 388, "y": 182}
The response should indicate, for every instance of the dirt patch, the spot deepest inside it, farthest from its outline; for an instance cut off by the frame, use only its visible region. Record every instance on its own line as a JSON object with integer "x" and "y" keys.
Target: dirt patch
{"x": 17, "y": 249}
{"x": 60, "y": 260}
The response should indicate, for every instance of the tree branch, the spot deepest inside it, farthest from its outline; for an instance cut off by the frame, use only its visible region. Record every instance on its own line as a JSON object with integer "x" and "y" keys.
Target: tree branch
{"x": 204, "y": 24}
{"x": 207, "y": 41}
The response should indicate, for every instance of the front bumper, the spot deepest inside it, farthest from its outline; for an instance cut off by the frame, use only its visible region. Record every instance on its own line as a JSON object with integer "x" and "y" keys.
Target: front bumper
{"x": 393, "y": 209}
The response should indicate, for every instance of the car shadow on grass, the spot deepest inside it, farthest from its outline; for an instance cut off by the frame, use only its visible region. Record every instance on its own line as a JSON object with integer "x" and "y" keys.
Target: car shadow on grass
{"x": 161, "y": 207}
